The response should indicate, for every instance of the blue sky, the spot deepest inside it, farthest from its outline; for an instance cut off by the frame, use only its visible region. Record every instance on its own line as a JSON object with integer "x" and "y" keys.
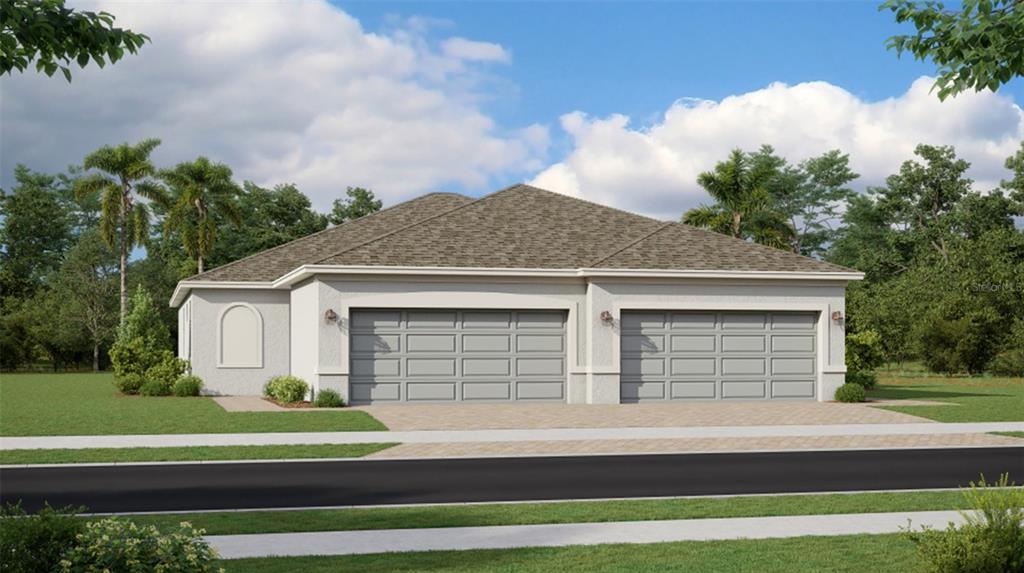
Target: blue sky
{"x": 638, "y": 57}
{"x": 622, "y": 103}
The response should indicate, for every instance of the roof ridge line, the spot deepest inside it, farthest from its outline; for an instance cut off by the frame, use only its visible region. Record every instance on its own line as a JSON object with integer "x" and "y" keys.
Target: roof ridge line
{"x": 415, "y": 223}
{"x": 660, "y": 228}
{"x": 318, "y": 233}
{"x": 595, "y": 203}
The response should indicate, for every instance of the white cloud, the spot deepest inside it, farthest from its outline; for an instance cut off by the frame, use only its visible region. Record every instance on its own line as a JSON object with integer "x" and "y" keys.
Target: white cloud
{"x": 464, "y": 49}
{"x": 653, "y": 169}
{"x": 280, "y": 91}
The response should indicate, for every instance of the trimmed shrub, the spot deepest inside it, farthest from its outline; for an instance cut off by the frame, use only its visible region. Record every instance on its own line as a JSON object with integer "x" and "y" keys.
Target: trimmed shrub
{"x": 119, "y": 545}
{"x": 35, "y": 543}
{"x": 850, "y": 392}
{"x": 129, "y": 383}
{"x": 141, "y": 340}
{"x": 187, "y": 386}
{"x": 286, "y": 389}
{"x": 864, "y": 351}
{"x": 990, "y": 540}
{"x": 328, "y": 398}
{"x": 162, "y": 375}
{"x": 865, "y": 379}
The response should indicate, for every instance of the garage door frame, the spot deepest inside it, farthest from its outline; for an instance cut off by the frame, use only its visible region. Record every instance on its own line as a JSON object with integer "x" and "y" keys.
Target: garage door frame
{"x": 820, "y": 331}
{"x": 517, "y": 330}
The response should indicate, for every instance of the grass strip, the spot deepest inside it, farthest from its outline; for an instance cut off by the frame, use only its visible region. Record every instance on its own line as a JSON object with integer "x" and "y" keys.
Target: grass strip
{"x": 838, "y": 554}
{"x": 1011, "y": 434}
{"x": 354, "y": 519}
{"x": 189, "y": 453}
{"x": 89, "y": 405}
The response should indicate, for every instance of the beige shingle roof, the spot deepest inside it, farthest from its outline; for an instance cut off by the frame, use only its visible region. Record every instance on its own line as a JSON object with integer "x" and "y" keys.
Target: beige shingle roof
{"x": 520, "y": 227}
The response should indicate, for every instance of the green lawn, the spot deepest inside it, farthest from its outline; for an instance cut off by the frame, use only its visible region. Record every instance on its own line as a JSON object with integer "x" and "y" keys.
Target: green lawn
{"x": 195, "y": 453}
{"x": 976, "y": 398}
{"x": 840, "y": 554}
{"x": 227, "y": 523}
{"x": 88, "y": 404}
{"x": 1011, "y": 434}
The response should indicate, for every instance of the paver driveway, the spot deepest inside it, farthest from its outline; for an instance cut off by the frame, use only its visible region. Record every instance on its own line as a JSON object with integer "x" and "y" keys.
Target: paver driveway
{"x": 530, "y": 416}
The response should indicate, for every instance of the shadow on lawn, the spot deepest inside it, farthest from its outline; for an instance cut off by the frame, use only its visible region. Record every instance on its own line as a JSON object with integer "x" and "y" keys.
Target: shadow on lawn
{"x": 923, "y": 392}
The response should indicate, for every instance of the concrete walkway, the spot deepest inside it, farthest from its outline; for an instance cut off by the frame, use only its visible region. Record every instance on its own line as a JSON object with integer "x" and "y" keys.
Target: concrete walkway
{"x": 471, "y": 436}
{"x": 557, "y": 535}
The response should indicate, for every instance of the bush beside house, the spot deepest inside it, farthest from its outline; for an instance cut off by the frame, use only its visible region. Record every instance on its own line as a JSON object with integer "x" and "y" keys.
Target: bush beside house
{"x": 286, "y": 389}
{"x": 864, "y": 353}
{"x": 141, "y": 354}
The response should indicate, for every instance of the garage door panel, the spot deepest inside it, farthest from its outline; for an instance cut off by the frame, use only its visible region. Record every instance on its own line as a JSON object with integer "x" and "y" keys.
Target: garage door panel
{"x": 486, "y": 342}
{"x": 377, "y": 344}
{"x": 803, "y": 321}
{"x": 376, "y": 392}
{"x": 693, "y": 367}
{"x": 486, "y": 390}
{"x": 486, "y": 367}
{"x": 741, "y": 343}
{"x": 445, "y": 355}
{"x": 636, "y": 391}
{"x": 686, "y": 343}
{"x": 743, "y": 367}
{"x": 376, "y": 367}
{"x": 735, "y": 321}
{"x": 539, "y": 366}
{"x": 430, "y": 343}
{"x": 430, "y": 367}
{"x": 792, "y": 343}
{"x": 536, "y": 390}
{"x": 376, "y": 319}
{"x": 539, "y": 343}
{"x": 690, "y": 321}
{"x": 643, "y": 366}
{"x": 640, "y": 321}
{"x": 541, "y": 320}
{"x": 718, "y": 355}
{"x": 694, "y": 389}
{"x": 643, "y": 344}
{"x": 793, "y": 366}
{"x": 480, "y": 319}
{"x": 743, "y": 389}
{"x": 792, "y": 388}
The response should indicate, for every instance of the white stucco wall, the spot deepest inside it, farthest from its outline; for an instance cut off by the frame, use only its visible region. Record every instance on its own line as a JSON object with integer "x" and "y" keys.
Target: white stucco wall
{"x": 207, "y": 308}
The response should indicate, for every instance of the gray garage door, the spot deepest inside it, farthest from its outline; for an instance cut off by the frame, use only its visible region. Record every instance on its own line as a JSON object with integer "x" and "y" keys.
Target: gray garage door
{"x": 717, "y": 355}
{"x": 457, "y": 355}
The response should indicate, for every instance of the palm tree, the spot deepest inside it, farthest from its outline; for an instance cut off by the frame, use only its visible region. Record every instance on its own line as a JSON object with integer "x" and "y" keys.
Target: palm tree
{"x": 743, "y": 205}
{"x": 123, "y": 172}
{"x": 201, "y": 190}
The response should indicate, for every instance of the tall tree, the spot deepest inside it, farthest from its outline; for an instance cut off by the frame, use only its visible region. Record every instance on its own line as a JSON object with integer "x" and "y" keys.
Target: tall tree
{"x": 360, "y": 202}
{"x": 921, "y": 198}
{"x": 200, "y": 190}
{"x": 55, "y": 36}
{"x": 1014, "y": 186}
{"x": 121, "y": 172}
{"x": 978, "y": 46}
{"x": 87, "y": 288}
{"x": 810, "y": 196}
{"x": 743, "y": 206}
{"x": 35, "y": 232}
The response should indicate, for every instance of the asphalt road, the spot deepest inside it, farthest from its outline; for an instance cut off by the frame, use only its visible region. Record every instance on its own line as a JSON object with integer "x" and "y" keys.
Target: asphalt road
{"x": 308, "y": 484}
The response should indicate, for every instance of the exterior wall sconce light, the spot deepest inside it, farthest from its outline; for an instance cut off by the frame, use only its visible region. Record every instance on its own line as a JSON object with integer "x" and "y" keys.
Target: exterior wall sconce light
{"x": 330, "y": 315}
{"x": 606, "y": 317}
{"x": 837, "y": 316}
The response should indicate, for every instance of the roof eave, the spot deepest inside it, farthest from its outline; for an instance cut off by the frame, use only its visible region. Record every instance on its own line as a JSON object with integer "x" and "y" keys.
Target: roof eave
{"x": 304, "y": 272}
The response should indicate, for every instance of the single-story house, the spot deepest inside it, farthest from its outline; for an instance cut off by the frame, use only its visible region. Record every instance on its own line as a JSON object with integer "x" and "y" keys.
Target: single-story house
{"x": 522, "y": 295}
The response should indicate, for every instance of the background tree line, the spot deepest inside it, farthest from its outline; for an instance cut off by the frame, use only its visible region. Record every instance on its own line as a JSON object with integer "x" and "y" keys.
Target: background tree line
{"x": 73, "y": 245}
{"x": 943, "y": 261}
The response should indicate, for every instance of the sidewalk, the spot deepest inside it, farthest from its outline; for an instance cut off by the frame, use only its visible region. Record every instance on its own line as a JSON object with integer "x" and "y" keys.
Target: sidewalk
{"x": 557, "y": 535}
{"x": 480, "y": 436}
